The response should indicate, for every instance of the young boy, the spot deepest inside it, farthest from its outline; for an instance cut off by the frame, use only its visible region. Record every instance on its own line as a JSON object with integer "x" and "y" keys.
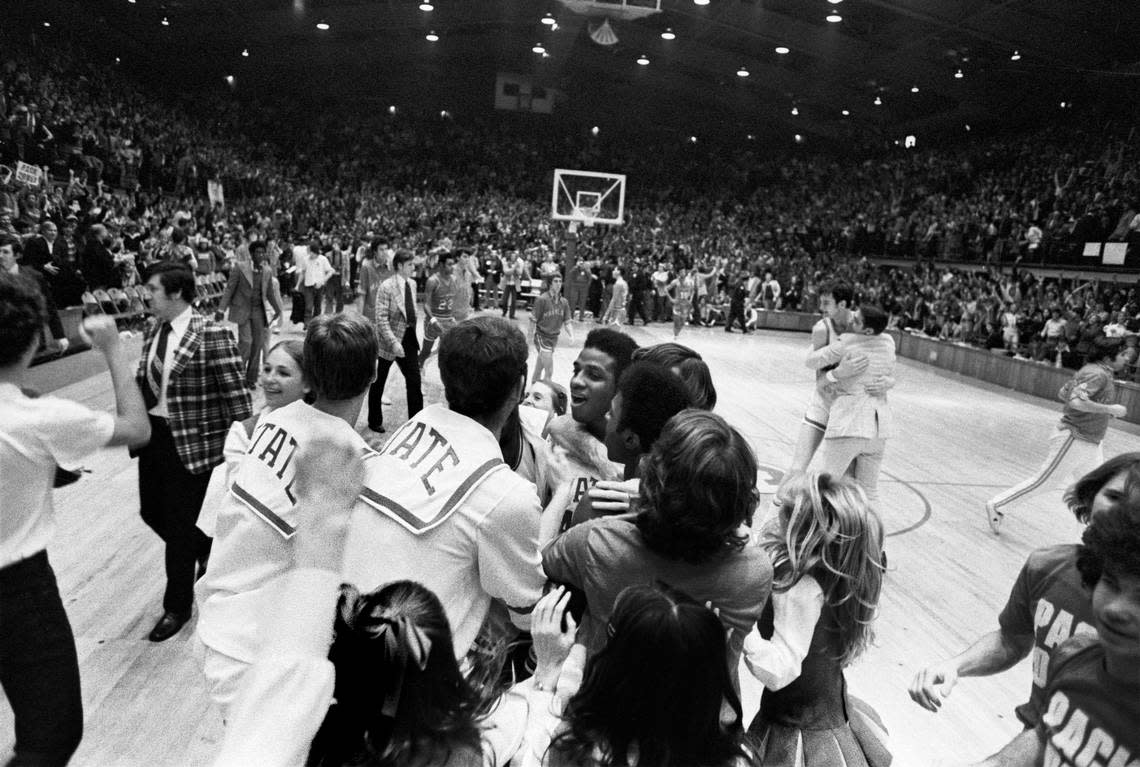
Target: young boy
{"x": 859, "y": 423}
{"x": 551, "y": 313}
{"x": 258, "y": 518}
{"x": 1093, "y": 696}
{"x": 578, "y": 455}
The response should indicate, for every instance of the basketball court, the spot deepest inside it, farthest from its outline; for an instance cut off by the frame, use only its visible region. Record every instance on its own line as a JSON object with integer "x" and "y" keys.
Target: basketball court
{"x": 958, "y": 442}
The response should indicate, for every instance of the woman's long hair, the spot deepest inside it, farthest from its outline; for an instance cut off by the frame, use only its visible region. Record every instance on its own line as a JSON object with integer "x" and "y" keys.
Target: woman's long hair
{"x": 400, "y": 698}
{"x": 829, "y": 531}
{"x": 654, "y": 694}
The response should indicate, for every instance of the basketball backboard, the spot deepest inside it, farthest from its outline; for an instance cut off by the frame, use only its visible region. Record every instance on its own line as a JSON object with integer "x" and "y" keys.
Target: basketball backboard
{"x": 588, "y": 197}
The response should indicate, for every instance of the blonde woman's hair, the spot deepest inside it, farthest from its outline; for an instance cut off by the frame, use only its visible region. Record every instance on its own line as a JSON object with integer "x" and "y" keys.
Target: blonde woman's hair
{"x": 829, "y": 531}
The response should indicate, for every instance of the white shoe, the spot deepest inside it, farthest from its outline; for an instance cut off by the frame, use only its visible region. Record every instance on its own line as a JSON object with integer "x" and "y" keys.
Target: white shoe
{"x": 994, "y": 517}
{"x": 385, "y": 400}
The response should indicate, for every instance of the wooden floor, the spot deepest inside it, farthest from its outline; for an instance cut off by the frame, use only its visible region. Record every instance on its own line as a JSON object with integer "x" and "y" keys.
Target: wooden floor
{"x": 958, "y": 442}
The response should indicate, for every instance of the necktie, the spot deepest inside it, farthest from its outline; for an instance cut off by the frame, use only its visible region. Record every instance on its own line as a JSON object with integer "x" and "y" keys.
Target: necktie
{"x": 409, "y": 303}
{"x": 159, "y": 360}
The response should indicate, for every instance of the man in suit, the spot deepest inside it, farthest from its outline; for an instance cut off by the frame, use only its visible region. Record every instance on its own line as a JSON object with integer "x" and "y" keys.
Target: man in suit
{"x": 45, "y": 250}
{"x": 249, "y": 287}
{"x": 10, "y": 251}
{"x": 396, "y": 330}
{"x": 190, "y": 373}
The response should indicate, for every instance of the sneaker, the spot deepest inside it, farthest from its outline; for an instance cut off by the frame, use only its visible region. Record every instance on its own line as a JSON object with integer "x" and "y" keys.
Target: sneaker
{"x": 994, "y": 516}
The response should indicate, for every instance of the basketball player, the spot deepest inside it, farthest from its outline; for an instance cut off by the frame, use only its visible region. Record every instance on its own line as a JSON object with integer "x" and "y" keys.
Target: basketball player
{"x": 440, "y": 507}
{"x": 439, "y": 303}
{"x": 578, "y": 455}
{"x": 551, "y": 313}
{"x": 1076, "y": 446}
{"x": 835, "y": 303}
{"x": 256, "y": 521}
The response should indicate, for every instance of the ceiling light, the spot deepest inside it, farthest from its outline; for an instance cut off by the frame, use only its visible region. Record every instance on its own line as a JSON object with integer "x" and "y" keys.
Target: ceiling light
{"x": 427, "y": 7}
{"x": 783, "y": 50}
{"x": 1016, "y": 56}
{"x": 878, "y": 101}
{"x": 668, "y": 34}
{"x": 132, "y": 2}
{"x": 835, "y": 2}
{"x": 700, "y": 2}
{"x": 742, "y": 72}
{"x": 643, "y": 60}
{"x": 118, "y": 60}
{"x": 392, "y": 109}
{"x": 230, "y": 79}
{"x": 834, "y": 18}
{"x": 322, "y": 26}
{"x": 595, "y": 130}
{"x": 846, "y": 113}
{"x": 967, "y": 126}
{"x": 165, "y": 22}
{"x": 548, "y": 20}
{"x": 444, "y": 114}
{"x": 245, "y": 53}
{"x": 431, "y": 37}
{"x": 958, "y": 75}
{"x": 795, "y": 111}
{"x": 914, "y": 89}
{"x": 693, "y": 139}
{"x": 751, "y": 136}
{"x": 799, "y": 139}
{"x": 538, "y": 48}
{"x": 47, "y": 23}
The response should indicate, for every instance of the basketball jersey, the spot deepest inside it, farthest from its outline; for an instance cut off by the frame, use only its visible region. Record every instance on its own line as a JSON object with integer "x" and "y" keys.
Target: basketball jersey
{"x": 441, "y": 297}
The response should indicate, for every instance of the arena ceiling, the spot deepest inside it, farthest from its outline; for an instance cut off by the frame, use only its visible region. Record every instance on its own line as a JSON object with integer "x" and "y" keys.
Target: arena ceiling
{"x": 375, "y": 53}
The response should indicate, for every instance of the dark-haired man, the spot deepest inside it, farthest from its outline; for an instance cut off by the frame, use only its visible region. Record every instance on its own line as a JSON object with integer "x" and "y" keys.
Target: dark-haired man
{"x": 10, "y": 248}
{"x": 578, "y": 455}
{"x": 1076, "y": 445}
{"x": 859, "y": 422}
{"x": 395, "y": 313}
{"x": 439, "y": 303}
{"x": 440, "y": 506}
{"x": 1092, "y": 701}
{"x": 647, "y": 396}
{"x": 192, "y": 381}
{"x": 39, "y": 670}
{"x": 249, "y": 288}
{"x": 258, "y": 518}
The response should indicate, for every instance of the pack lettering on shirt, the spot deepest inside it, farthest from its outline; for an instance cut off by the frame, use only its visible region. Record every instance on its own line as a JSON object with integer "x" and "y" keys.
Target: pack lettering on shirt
{"x": 579, "y": 487}
{"x": 1073, "y": 740}
{"x": 1051, "y": 627}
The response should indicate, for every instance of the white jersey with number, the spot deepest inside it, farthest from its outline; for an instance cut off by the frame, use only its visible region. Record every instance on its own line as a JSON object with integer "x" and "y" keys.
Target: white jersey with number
{"x": 255, "y": 521}
{"x": 439, "y": 507}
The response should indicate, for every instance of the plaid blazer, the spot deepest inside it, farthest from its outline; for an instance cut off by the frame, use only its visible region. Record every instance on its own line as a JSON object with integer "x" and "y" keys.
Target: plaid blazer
{"x": 206, "y": 392}
{"x": 390, "y": 319}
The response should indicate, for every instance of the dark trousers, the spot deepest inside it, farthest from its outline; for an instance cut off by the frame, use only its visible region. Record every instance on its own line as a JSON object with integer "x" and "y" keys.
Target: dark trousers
{"x": 251, "y": 343}
{"x": 409, "y": 365}
{"x": 314, "y": 296}
{"x": 38, "y": 666}
{"x": 577, "y": 297}
{"x": 510, "y": 296}
{"x": 170, "y": 498}
{"x": 637, "y": 308}
{"x": 735, "y": 314}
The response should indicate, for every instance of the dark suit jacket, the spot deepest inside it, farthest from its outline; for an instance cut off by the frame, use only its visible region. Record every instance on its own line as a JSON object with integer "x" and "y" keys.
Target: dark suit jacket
{"x": 238, "y": 295}
{"x": 206, "y": 392}
{"x": 38, "y": 252}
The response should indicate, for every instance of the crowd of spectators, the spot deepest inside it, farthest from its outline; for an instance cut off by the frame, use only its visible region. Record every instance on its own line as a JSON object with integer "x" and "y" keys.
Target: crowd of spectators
{"x": 128, "y": 178}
